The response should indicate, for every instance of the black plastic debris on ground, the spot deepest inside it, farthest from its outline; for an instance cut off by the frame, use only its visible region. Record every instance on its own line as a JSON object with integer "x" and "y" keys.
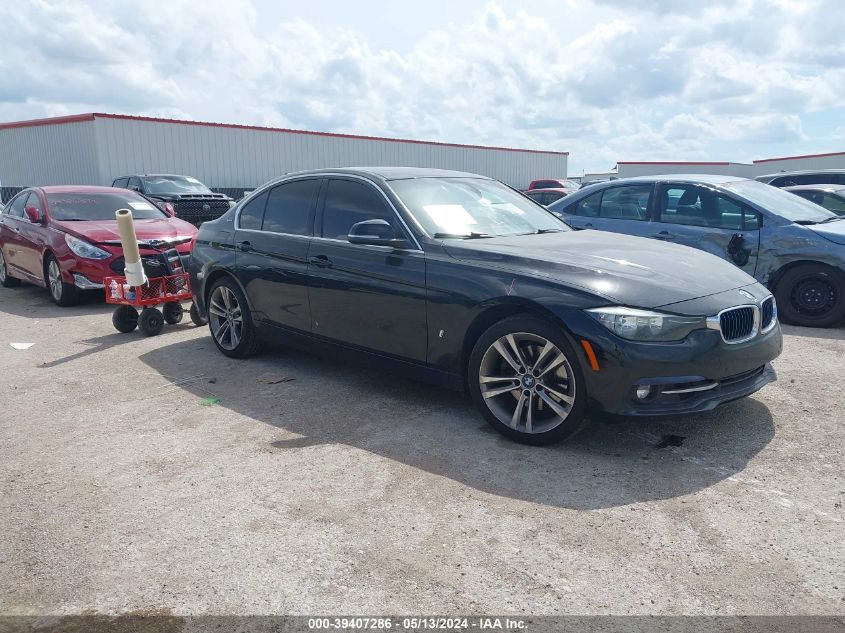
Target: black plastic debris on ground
{"x": 671, "y": 440}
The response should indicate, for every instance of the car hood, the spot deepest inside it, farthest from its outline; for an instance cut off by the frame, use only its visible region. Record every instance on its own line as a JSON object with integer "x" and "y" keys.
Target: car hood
{"x": 105, "y": 231}
{"x": 833, "y": 231}
{"x": 625, "y": 270}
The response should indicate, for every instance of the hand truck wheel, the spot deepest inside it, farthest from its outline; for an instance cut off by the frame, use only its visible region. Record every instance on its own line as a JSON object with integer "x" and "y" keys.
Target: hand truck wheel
{"x": 151, "y": 322}
{"x": 195, "y": 316}
{"x": 125, "y": 319}
{"x": 173, "y": 312}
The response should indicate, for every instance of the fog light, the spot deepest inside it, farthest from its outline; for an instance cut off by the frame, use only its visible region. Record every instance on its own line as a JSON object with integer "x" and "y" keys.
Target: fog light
{"x": 644, "y": 391}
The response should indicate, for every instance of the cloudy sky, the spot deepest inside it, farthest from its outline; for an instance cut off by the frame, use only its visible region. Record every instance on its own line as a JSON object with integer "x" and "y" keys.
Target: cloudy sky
{"x": 606, "y": 80}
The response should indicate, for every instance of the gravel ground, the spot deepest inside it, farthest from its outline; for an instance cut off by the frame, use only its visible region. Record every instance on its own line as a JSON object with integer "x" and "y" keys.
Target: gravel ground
{"x": 315, "y": 487}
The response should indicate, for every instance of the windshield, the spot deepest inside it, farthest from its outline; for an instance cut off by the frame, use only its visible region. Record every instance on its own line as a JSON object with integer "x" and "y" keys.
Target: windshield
{"x": 174, "y": 184}
{"x": 465, "y": 207}
{"x": 783, "y": 203}
{"x": 100, "y": 206}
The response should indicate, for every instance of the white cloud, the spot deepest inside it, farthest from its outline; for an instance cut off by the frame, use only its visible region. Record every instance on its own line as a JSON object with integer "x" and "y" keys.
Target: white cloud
{"x": 635, "y": 79}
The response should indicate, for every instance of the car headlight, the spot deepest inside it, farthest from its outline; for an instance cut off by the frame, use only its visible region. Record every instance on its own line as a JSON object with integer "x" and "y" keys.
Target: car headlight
{"x": 645, "y": 325}
{"x": 84, "y": 249}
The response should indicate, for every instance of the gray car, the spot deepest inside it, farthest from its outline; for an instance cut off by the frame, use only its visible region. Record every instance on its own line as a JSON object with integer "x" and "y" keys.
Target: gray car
{"x": 794, "y": 247}
{"x": 831, "y": 197}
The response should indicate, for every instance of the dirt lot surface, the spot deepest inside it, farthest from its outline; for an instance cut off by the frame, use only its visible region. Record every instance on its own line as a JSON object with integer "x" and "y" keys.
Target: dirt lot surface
{"x": 315, "y": 487}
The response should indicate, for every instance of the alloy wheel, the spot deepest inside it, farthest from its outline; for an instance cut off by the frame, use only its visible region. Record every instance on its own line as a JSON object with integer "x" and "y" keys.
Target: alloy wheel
{"x": 527, "y": 382}
{"x": 54, "y": 277}
{"x": 225, "y": 318}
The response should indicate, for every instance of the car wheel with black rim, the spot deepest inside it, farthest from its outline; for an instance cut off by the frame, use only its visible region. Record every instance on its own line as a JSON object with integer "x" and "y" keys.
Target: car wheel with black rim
{"x": 6, "y": 280}
{"x": 812, "y": 295}
{"x": 230, "y": 321}
{"x": 63, "y": 294}
{"x": 526, "y": 380}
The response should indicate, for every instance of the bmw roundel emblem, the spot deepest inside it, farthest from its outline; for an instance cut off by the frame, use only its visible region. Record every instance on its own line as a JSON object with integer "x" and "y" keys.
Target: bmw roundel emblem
{"x": 206, "y": 207}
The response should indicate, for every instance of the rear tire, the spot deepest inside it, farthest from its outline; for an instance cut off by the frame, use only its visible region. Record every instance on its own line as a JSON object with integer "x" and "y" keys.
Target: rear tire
{"x": 526, "y": 380}
{"x": 230, "y": 321}
{"x": 63, "y": 294}
{"x": 125, "y": 319}
{"x": 811, "y": 295}
{"x": 196, "y": 319}
{"x": 151, "y": 322}
{"x": 5, "y": 280}
{"x": 173, "y": 313}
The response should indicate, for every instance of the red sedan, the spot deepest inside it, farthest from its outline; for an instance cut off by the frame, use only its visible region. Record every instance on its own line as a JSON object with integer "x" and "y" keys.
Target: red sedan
{"x": 65, "y": 238}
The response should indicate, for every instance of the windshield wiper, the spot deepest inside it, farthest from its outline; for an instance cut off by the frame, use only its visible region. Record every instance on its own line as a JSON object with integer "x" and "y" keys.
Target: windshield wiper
{"x": 541, "y": 231}
{"x": 833, "y": 219}
{"x": 461, "y": 236}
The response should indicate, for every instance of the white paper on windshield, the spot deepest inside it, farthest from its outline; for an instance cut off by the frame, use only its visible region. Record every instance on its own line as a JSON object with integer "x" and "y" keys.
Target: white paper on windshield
{"x": 452, "y": 218}
{"x": 141, "y": 206}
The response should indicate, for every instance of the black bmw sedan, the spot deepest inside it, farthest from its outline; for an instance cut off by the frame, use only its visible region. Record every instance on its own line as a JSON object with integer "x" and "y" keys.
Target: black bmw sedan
{"x": 462, "y": 281}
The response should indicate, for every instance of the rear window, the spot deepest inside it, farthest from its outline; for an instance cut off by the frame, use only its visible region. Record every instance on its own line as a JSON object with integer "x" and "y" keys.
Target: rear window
{"x": 70, "y": 207}
{"x": 546, "y": 184}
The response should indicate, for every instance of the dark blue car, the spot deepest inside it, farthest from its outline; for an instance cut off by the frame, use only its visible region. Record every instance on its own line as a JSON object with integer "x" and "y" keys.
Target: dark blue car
{"x": 793, "y": 246}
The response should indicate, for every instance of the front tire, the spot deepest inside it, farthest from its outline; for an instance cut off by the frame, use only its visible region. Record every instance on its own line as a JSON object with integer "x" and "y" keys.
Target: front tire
{"x": 63, "y": 294}
{"x": 151, "y": 322}
{"x": 6, "y": 280}
{"x": 526, "y": 380}
{"x": 811, "y": 295}
{"x": 230, "y": 321}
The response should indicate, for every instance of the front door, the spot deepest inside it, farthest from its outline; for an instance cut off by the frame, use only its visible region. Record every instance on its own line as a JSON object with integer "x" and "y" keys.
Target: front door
{"x": 19, "y": 247}
{"x": 702, "y": 218}
{"x": 272, "y": 238}
{"x": 372, "y": 297}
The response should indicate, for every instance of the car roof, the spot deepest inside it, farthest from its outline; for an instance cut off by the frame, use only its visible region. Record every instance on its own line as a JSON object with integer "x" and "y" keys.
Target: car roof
{"x": 552, "y": 189}
{"x": 799, "y": 172}
{"x": 390, "y": 173}
{"x": 707, "y": 179}
{"x": 819, "y": 187}
{"x": 82, "y": 189}
{"x": 152, "y": 176}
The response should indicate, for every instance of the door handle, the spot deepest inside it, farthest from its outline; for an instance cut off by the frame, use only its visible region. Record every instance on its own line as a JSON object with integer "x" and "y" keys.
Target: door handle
{"x": 321, "y": 261}
{"x": 664, "y": 235}
{"x": 244, "y": 246}
{"x": 588, "y": 225}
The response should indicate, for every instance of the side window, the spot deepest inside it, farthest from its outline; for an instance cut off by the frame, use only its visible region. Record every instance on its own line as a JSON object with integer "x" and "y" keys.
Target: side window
{"x": 751, "y": 220}
{"x": 120, "y": 183}
{"x": 134, "y": 182}
{"x": 349, "y": 202}
{"x": 289, "y": 207}
{"x": 536, "y": 197}
{"x": 589, "y": 206}
{"x": 625, "y": 203}
{"x": 834, "y": 203}
{"x": 253, "y": 213}
{"x": 17, "y": 205}
{"x": 688, "y": 205}
{"x": 729, "y": 214}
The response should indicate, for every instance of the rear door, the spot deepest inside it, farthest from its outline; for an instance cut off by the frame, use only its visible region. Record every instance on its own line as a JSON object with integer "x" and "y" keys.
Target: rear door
{"x": 710, "y": 221}
{"x": 272, "y": 238}
{"x": 373, "y": 297}
{"x": 619, "y": 209}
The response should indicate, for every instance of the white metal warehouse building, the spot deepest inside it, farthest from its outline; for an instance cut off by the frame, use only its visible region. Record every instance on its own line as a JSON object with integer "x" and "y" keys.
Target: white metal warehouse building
{"x": 832, "y": 160}
{"x": 96, "y": 148}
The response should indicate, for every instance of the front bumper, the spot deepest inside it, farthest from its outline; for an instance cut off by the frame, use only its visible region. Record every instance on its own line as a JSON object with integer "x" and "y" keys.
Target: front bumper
{"x": 693, "y": 375}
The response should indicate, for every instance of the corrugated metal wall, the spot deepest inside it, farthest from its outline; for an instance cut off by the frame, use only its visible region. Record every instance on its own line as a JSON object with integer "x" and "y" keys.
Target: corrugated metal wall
{"x": 232, "y": 157}
{"x": 49, "y": 154}
{"x": 834, "y": 161}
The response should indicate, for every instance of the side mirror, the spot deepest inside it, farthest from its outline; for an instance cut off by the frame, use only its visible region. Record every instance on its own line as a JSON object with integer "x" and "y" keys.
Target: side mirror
{"x": 375, "y": 233}
{"x": 33, "y": 215}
